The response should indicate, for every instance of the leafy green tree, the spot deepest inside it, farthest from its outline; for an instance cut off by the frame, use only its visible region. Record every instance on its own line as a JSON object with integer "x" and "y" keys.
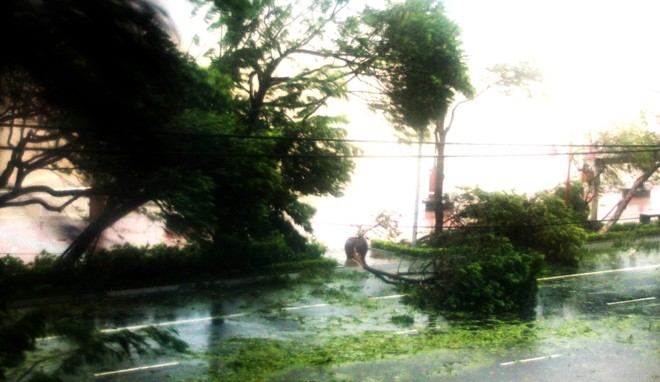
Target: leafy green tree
{"x": 101, "y": 89}
{"x": 413, "y": 51}
{"x": 629, "y": 151}
{"x": 483, "y": 274}
{"x": 284, "y": 148}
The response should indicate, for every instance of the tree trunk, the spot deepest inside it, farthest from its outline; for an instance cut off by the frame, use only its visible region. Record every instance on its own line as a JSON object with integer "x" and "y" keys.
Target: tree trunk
{"x": 106, "y": 219}
{"x": 623, "y": 203}
{"x": 440, "y": 135}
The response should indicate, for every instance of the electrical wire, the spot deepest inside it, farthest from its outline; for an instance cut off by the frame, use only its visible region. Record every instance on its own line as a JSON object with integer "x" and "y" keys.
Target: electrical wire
{"x": 345, "y": 140}
{"x": 641, "y": 149}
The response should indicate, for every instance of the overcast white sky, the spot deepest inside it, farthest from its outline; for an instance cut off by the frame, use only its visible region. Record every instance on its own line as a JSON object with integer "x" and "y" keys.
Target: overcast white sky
{"x": 598, "y": 57}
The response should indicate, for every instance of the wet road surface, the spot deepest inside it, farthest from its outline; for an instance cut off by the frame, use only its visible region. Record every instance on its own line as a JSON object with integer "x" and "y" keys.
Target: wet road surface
{"x": 603, "y": 325}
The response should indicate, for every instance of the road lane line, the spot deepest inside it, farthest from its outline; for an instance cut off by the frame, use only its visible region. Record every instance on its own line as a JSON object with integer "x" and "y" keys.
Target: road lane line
{"x": 530, "y": 359}
{"x": 235, "y": 315}
{"x": 387, "y": 297}
{"x": 305, "y": 306}
{"x": 632, "y": 269}
{"x": 136, "y": 369}
{"x": 410, "y": 331}
{"x": 173, "y": 323}
{"x": 631, "y": 301}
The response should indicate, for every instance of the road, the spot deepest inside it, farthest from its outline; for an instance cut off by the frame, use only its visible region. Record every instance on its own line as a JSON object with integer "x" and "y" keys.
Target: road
{"x": 298, "y": 312}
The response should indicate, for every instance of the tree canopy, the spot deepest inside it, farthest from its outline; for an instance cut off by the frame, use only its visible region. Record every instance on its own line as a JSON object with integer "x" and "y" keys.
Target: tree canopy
{"x": 412, "y": 51}
{"x": 273, "y": 54}
{"x": 101, "y": 88}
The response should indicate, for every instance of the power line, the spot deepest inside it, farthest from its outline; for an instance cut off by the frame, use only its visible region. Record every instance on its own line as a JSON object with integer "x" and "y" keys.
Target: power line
{"x": 642, "y": 149}
{"x": 345, "y": 140}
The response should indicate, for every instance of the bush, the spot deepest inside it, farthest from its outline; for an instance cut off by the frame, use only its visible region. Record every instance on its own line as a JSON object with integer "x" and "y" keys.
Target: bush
{"x": 127, "y": 266}
{"x": 233, "y": 256}
{"x": 626, "y": 232}
{"x": 407, "y": 250}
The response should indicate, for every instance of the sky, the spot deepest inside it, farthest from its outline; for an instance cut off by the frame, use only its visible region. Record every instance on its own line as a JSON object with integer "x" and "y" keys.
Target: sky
{"x": 599, "y": 61}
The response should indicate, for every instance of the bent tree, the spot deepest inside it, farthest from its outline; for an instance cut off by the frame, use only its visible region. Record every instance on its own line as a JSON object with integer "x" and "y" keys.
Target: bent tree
{"x": 412, "y": 54}
{"x": 86, "y": 91}
{"x": 625, "y": 152}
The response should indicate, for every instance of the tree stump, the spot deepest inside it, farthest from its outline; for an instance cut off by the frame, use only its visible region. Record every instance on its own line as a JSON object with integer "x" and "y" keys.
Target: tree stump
{"x": 356, "y": 251}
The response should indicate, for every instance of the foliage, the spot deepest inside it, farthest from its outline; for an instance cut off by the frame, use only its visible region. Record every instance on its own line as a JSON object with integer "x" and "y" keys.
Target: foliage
{"x": 18, "y": 335}
{"x": 385, "y": 224}
{"x": 480, "y": 274}
{"x": 100, "y": 111}
{"x": 263, "y": 359}
{"x": 407, "y": 250}
{"x": 404, "y": 320}
{"x": 279, "y": 147}
{"x": 80, "y": 344}
{"x": 626, "y": 232}
{"x": 542, "y": 223}
{"x": 489, "y": 262}
{"x": 477, "y": 343}
{"x": 632, "y": 145}
{"x": 414, "y": 53}
{"x": 133, "y": 267}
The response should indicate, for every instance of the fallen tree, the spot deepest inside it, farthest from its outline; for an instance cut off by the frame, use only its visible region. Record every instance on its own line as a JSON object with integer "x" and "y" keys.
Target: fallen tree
{"x": 489, "y": 261}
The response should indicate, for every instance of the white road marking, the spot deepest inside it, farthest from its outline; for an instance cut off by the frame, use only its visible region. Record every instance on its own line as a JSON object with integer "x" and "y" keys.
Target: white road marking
{"x": 235, "y": 315}
{"x": 387, "y": 297}
{"x": 202, "y": 319}
{"x": 305, "y": 306}
{"x": 136, "y": 369}
{"x": 411, "y": 331}
{"x": 600, "y": 272}
{"x": 172, "y": 323}
{"x": 530, "y": 359}
{"x": 631, "y": 301}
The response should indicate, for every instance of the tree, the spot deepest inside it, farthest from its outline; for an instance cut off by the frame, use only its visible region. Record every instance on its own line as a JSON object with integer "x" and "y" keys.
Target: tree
{"x": 629, "y": 151}
{"x": 98, "y": 85}
{"x": 489, "y": 261}
{"x": 413, "y": 51}
{"x": 277, "y": 60}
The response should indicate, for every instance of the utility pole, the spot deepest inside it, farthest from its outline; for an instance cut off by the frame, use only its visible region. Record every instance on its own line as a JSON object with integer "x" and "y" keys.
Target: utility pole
{"x": 420, "y": 138}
